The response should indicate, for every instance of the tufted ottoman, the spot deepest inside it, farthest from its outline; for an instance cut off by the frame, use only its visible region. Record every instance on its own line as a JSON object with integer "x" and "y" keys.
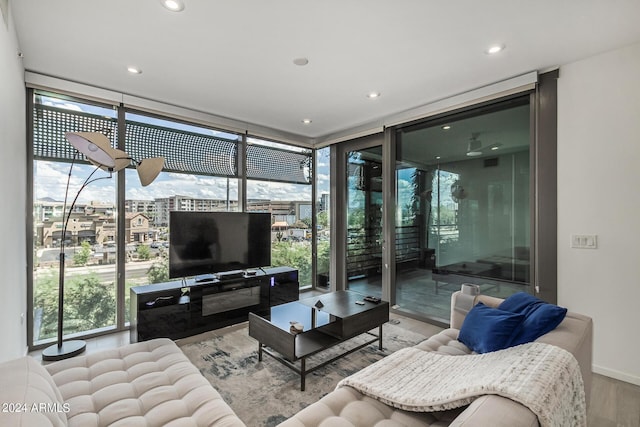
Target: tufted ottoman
{"x": 150, "y": 383}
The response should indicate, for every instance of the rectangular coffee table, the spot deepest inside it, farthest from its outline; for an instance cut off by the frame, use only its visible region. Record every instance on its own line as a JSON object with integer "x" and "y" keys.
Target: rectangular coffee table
{"x": 337, "y": 319}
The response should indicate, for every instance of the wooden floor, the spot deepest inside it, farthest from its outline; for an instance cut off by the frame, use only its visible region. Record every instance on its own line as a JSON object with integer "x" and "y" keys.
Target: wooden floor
{"x": 613, "y": 403}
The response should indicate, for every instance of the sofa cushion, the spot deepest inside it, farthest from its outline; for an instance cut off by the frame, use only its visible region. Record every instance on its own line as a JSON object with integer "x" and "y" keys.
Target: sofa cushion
{"x": 347, "y": 407}
{"x": 488, "y": 329}
{"x": 520, "y": 302}
{"x": 29, "y": 395}
{"x": 142, "y": 384}
{"x": 540, "y": 317}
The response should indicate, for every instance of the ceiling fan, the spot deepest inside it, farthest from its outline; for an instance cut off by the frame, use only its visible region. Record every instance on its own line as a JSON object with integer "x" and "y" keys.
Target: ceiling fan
{"x": 475, "y": 148}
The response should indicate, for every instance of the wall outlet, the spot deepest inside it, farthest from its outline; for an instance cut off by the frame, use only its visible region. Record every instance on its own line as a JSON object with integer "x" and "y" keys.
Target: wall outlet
{"x": 584, "y": 241}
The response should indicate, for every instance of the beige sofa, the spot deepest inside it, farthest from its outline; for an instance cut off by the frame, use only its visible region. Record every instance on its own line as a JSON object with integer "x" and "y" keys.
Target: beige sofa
{"x": 346, "y": 407}
{"x": 150, "y": 383}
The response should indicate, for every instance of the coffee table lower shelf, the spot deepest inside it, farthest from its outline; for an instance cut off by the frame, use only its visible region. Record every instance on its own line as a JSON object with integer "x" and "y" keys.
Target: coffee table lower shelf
{"x": 313, "y": 342}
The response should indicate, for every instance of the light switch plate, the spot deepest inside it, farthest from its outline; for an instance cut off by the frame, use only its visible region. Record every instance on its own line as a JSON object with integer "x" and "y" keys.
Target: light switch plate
{"x": 584, "y": 241}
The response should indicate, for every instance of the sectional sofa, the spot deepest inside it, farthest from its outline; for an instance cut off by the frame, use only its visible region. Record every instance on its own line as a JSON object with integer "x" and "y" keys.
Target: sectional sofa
{"x": 152, "y": 383}
{"x": 348, "y": 407}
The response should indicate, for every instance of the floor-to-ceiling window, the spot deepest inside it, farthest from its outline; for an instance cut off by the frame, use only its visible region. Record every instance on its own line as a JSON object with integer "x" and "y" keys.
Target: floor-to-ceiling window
{"x": 463, "y": 212}
{"x": 323, "y": 217}
{"x": 364, "y": 220}
{"x": 118, "y": 231}
{"x": 200, "y": 175}
{"x": 279, "y": 180}
{"x": 88, "y": 242}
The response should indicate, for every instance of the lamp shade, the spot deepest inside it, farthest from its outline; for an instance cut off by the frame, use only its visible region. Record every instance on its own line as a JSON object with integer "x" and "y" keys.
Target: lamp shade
{"x": 149, "y": 169}
{"x": 94, "y": 145}
{"x": 121, "y": 158}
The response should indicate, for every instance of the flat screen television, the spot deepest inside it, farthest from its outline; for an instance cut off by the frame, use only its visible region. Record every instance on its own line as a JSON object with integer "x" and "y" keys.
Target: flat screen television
{"x": 202, "y": 243}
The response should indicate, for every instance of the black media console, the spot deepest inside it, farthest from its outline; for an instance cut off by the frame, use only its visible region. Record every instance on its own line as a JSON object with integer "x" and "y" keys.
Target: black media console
{"x": 180, "y": 309}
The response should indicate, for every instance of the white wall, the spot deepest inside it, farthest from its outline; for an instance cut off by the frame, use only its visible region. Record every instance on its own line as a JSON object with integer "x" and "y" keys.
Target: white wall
{"x": 599, "y": 193}
{"x": 13, "y": 283}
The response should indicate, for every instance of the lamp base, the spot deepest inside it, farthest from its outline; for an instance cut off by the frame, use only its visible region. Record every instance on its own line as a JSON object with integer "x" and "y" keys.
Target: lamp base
{"x": 66, "y": 350}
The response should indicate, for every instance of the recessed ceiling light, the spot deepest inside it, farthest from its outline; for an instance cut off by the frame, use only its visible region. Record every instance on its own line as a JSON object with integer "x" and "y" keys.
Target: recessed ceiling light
{"x": 301, "y": 61}
{"x": 373, "y": 95}
{"x": 492, "y": 50}
{"x": 306, "y": 121}
{"x": 134, "y": 70}
{"x": 446, "y": 127}
{"x": 494, "y": 148}
{"x": 438, "y": 157}
{"x": 173, "y": 5}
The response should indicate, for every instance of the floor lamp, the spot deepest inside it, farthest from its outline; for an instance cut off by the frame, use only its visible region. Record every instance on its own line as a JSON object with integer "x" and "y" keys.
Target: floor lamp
{"x": 97, "y": 149}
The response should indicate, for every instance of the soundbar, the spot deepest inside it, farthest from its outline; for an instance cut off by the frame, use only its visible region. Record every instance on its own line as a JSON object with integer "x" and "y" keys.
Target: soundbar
{"x": 230, "y": 275}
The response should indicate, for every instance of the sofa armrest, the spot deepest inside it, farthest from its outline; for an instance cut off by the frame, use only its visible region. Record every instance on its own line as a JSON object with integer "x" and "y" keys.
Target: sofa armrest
{"x": 495, "y": 411}
{"x": 29, "y": 395}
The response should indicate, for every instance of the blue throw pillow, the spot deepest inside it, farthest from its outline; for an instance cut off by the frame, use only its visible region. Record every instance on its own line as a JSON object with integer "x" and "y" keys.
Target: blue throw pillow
{"x": 520, "y": 302}
{"x": 540, "y": 317}
{"x": 488, "y": 329}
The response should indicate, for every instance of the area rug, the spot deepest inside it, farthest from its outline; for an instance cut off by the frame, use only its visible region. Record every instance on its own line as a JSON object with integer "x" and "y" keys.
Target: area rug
{"x": 267, "y": 393}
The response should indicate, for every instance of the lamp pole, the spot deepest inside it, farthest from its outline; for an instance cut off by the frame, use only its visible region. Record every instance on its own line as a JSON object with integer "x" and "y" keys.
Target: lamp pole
{"x": 97, "y": 149}
{"x": 65, "y": 349}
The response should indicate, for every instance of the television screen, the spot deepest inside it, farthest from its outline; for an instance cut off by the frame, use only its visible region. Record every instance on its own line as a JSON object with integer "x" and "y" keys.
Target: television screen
{"x": 215, "y": 242}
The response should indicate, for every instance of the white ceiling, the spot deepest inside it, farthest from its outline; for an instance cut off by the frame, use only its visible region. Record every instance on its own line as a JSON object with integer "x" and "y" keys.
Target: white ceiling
{"x": 234, "y": 58}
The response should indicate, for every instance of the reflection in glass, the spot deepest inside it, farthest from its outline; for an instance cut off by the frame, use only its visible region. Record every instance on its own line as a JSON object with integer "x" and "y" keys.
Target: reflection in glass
{"x": 364, "y": 221}
{"x": 463, "y": 210}
{"x": 323, "y": 190}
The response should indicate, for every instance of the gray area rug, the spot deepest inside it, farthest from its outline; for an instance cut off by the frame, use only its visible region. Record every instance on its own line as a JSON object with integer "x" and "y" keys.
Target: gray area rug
{"x": 267, "y": 393}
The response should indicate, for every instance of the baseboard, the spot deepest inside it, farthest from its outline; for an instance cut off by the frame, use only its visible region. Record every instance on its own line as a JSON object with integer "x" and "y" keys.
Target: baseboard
{"x": 612, "y": 373}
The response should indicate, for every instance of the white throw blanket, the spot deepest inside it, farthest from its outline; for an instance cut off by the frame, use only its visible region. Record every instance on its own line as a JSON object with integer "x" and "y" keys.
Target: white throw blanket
{"x": 543, "y": 377}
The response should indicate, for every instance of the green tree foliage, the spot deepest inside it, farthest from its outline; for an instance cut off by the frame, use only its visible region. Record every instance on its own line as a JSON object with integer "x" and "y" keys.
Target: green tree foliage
{"x": 159, "y": 271}
{"x": 81, "y": 257}
{"x": 88, "y": 304}
{"x": 323, "y": 219}
{"x": 356, "y": 218}
{"x": 45, "y": 305}
{"x": 323, "y": 257}
{"x": 144, "y": 253}
{"x": 293, "y": 254}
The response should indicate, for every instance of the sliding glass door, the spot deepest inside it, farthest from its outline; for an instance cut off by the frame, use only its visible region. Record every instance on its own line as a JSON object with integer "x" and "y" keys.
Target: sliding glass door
{"x": 364, "y": 225}
{"x": 463, "y": 207}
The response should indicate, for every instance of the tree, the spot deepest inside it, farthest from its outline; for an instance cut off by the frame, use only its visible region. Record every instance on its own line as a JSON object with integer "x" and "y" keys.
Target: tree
{"x": 159, "y": 271}
{"x": 323, "y": 257}
{"x": 295, "y": 255}
{"x": 88, "y": 304}
{"x": 81, "y": 257}
{"x": 323, "y": 219}
{"x": 144, "y": 253}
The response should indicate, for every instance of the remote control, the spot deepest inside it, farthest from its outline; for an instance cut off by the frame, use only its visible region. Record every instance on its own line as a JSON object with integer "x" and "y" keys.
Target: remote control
{"x": 374, "y": 300}
{"x": 360, "y": 302}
